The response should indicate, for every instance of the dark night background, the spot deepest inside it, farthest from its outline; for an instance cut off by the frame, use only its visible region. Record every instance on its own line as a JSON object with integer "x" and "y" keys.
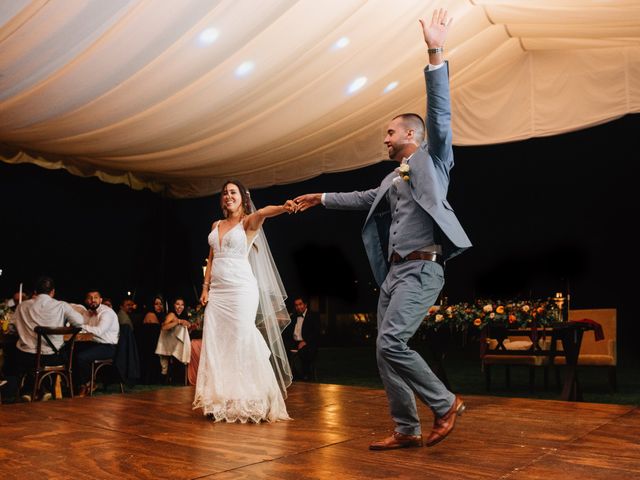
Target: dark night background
{"x": 545, "y": 215}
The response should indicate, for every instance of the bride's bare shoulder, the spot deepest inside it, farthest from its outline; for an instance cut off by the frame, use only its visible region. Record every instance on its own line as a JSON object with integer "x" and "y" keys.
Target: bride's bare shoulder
{"x": 213, "y": 225}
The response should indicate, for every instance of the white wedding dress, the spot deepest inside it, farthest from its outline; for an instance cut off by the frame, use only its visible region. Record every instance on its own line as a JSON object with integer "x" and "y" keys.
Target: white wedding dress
{"x": 235, "y": 382}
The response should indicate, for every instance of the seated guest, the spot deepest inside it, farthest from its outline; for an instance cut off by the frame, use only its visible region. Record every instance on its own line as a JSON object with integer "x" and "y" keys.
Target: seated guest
{"x": 301, "y": 338}
{"x": 147, "y": 338}
{"x": 102, "y": 322}
{"x": 17, "y": 299}
{"x": 124, "y": 314}
{"x": 174, "y": 337}
{"x": 136, "y": 315}
{"x": 45, "y": 311}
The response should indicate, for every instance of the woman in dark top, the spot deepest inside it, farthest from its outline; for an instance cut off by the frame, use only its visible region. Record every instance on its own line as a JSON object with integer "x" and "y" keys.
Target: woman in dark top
{"x": 148, "y": 339}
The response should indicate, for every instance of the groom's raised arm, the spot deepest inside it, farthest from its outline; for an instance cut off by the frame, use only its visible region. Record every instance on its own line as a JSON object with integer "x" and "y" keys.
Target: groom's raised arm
{"x": 438, "y": 117}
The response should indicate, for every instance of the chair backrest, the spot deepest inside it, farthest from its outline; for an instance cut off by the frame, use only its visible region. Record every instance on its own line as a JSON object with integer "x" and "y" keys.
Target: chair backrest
{"x": 607, "y": 318}
{"x": 45, "y": 333}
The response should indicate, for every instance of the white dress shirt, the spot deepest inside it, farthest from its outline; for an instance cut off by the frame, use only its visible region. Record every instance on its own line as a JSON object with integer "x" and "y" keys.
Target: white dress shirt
{"x": 103, "y": 324}
{"x": 43, "y": 311}
{"x": 297, "y": 330}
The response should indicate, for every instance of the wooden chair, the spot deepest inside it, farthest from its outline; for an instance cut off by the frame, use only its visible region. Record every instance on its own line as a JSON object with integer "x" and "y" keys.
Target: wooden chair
{"x": 597, "y": 354}
{"x": 96, "y": 365}
{"x": 532, "y": 362}
{"x": 63, "y": 369}
{"x": 125, "y": 334}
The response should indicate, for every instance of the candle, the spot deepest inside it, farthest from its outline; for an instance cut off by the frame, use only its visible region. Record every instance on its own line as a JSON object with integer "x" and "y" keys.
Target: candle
{"x": 20, "y": 294}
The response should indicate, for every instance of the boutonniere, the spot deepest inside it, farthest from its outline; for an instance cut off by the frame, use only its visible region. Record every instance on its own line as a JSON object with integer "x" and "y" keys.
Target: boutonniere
{"x": 404, "y": 171}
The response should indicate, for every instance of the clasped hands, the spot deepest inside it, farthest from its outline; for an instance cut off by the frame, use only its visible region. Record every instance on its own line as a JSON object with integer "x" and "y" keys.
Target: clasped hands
{"x": 303, "y": 202}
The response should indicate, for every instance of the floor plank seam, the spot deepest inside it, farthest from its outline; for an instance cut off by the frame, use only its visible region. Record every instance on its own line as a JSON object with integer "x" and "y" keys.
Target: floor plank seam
{"x": 112, "y": 429}
{"x": 595, "y": 429}
{"x": 516, "y": 470}
{"x": 281, "y": 457}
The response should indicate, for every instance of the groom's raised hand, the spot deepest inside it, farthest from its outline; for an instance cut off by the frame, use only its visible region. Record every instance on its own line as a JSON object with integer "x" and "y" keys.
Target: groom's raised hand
{"x": 307, "y": 201}
{"x": 435, "y": 31}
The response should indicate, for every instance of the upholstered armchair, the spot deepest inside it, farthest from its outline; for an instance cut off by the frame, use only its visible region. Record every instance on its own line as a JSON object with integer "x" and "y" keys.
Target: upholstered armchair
{"x": 594, "y": 353}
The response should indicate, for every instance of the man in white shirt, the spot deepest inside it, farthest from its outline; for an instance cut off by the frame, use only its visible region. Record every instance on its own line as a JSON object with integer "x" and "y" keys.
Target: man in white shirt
{"x": 45, "y": 311}
{"x": 102, "y": 322}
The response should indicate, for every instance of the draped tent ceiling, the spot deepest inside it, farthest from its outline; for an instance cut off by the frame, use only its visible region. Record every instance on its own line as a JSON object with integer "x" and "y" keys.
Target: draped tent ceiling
{"x": 178, "y": 96}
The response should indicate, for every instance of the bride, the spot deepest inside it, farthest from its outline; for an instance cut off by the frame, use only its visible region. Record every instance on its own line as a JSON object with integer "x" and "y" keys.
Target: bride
{"x": 243, "y": 372}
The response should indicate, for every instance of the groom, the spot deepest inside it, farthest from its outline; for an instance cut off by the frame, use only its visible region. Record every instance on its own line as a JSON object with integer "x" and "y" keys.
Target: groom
{"x": 409, "y": 233}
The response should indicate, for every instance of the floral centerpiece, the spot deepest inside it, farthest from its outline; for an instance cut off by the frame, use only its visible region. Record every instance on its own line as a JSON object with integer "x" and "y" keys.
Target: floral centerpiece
{"x": 482, "y": 313}
{"x": 195, "y": 315}
{"x": 5, "y": 316}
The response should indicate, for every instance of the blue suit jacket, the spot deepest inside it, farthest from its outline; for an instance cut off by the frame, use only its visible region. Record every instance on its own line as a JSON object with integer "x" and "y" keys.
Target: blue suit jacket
{"x": 430, "y": 166}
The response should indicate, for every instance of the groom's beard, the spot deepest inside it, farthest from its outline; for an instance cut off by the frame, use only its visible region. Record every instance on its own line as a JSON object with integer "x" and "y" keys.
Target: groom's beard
{"x": 93, "y": 306}
{"x": 395, "y": 151}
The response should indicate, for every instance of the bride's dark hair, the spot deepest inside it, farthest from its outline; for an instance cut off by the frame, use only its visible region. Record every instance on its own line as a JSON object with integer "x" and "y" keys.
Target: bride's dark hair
{"x": 244, "y": 193}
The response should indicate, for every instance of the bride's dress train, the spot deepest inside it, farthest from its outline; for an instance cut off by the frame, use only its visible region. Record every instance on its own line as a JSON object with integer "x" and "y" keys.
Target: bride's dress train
{"x": 235, "y": 382}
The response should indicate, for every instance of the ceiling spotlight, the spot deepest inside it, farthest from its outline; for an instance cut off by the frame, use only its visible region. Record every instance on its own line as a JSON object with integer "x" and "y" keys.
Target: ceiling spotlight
{"x": 356, "y": 85}
{"x": 390, "y": 87}
{"x": 341, "y": 43}
{"x": 208, "y": 36}
{"x": 245, "y": 68}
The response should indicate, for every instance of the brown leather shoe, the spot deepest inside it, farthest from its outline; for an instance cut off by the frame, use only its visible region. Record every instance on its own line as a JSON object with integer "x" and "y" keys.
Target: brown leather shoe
{"x": 397, "y": 440}
{"x": 444, "y": 425}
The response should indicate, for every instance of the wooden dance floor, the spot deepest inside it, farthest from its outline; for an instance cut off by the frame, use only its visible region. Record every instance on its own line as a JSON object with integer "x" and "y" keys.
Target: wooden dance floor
{"x": 156, "y": 435}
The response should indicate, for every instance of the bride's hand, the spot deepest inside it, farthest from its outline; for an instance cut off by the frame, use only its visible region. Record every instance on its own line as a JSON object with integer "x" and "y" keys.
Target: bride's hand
{"x": 204, "y": 298}
{"x": 290, "y": 206}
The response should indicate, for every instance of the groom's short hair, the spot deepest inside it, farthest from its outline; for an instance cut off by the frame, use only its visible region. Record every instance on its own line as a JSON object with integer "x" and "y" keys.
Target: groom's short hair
{"x": 414, "y": 122}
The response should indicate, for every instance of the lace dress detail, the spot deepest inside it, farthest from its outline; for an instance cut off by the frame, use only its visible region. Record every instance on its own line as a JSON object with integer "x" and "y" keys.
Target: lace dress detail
{"x": 235, "y": 381}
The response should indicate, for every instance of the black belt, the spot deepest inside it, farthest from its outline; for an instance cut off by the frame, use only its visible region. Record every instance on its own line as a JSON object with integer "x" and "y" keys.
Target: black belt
{"x": 430, "y": 256}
